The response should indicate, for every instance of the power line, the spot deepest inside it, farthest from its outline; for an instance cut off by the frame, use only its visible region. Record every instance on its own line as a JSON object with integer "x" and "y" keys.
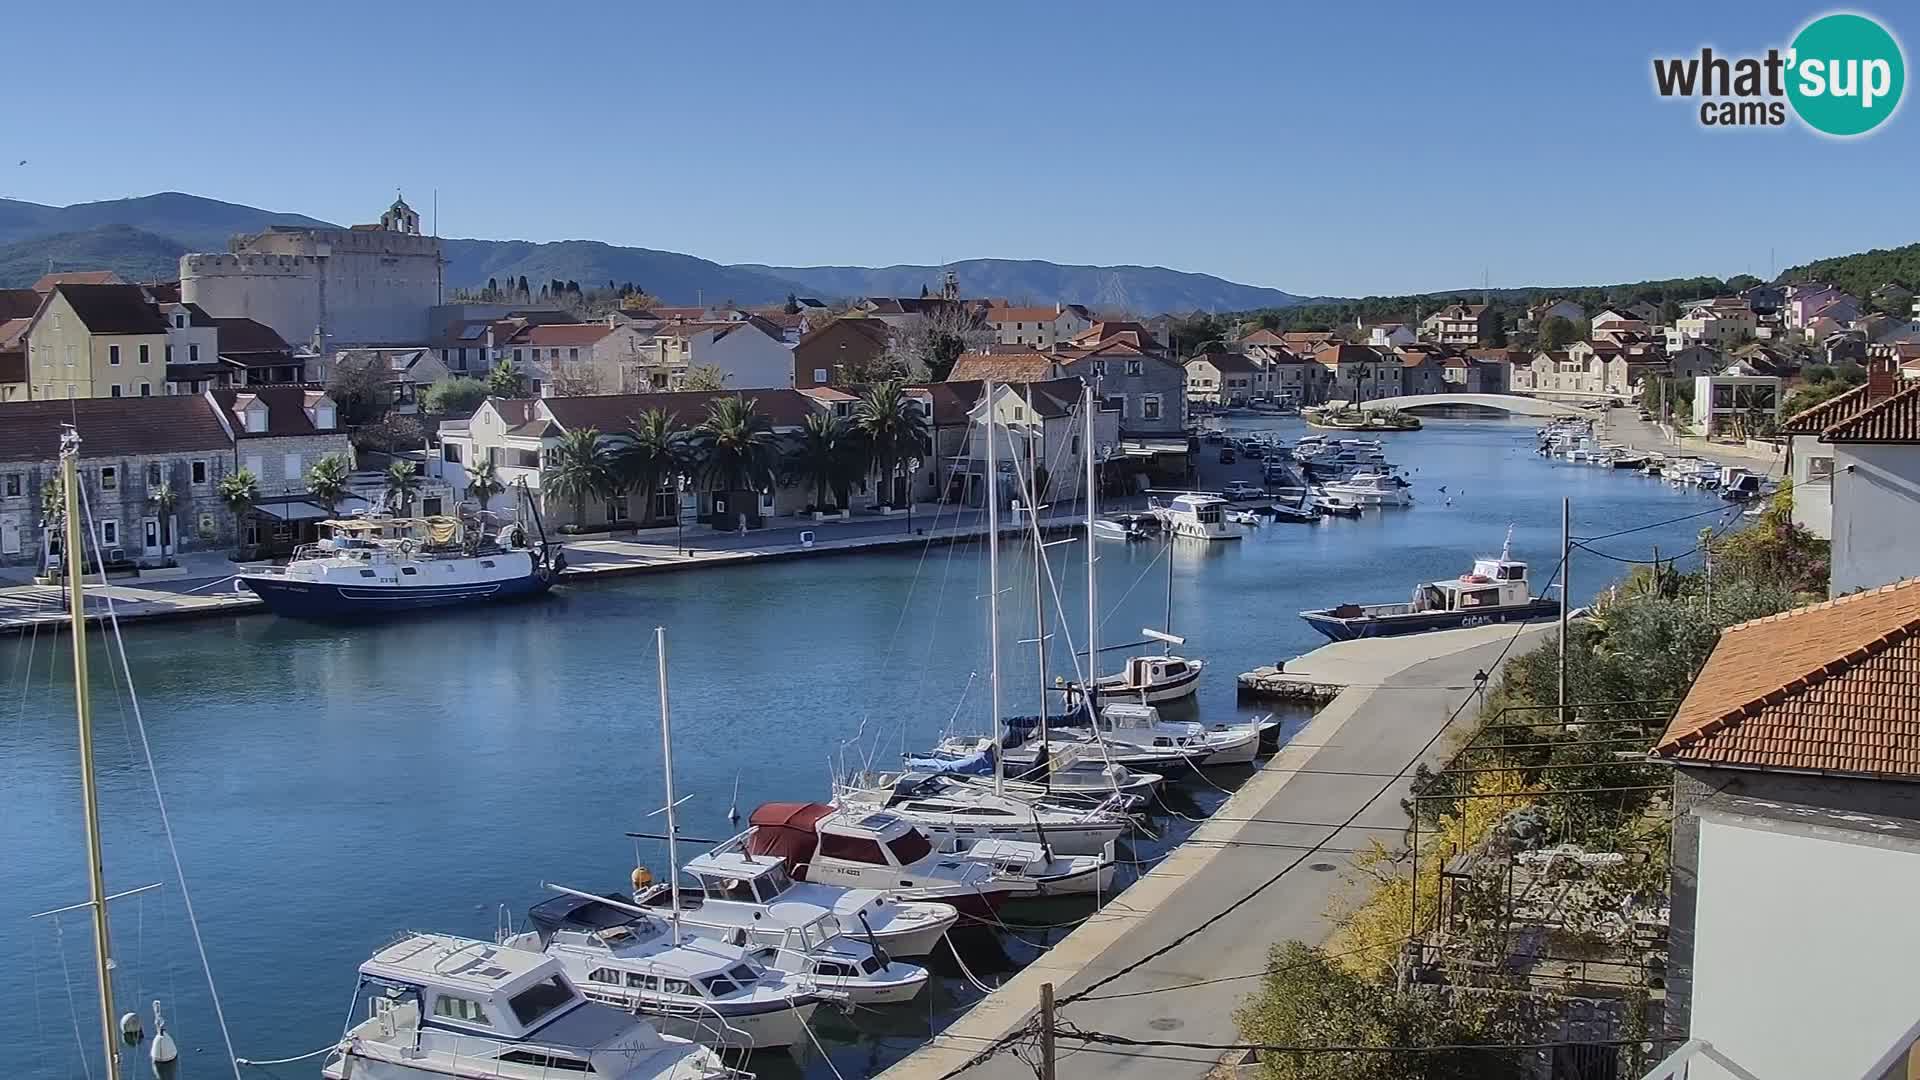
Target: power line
{"x": 1655, "y": 525}
{"x": 1108, "y": 1039}
{"x": 1317, "y": 845}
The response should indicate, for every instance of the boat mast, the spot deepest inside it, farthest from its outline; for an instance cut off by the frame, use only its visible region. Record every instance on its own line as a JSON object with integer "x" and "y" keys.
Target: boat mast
{"x": 83, "y": 711}
{"x": 1040, "y": 628}
{"x": 993, "y": 590}
{"x": 666, "y": 760}
{"x": 1166, "y": 647}
{"x": 1091, "y": 687}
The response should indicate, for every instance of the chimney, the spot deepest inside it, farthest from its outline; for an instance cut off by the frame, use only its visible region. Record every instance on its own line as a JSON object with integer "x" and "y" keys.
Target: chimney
{"x": 1880, "y": 378}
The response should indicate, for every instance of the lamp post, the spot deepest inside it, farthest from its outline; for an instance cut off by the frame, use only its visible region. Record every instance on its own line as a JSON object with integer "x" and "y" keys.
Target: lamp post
{"x": 913, "y": 467}
{"x": 680, "y": 512}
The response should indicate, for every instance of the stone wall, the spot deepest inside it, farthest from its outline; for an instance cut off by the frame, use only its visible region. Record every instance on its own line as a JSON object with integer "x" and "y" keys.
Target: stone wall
{"x": 357, "y": 286}
{"x": 127, "y": 505}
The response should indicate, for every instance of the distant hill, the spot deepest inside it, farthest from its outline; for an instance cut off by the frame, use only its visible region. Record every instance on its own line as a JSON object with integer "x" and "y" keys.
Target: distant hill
{"x": 134, "y": 254}
{"x": 195, "y": 223}
{"x": 1142, "y": 289}
{"x": 1863, "y": 272}
{"x": 674, "y": 278}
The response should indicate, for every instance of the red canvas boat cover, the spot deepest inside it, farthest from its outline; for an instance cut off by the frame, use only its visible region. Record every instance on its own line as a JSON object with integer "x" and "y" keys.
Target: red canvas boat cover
{"x": 786, "y": 832}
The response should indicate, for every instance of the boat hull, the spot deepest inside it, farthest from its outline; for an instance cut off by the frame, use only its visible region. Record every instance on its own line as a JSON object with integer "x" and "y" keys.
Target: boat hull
{"x": 1339, "y": 628}
{"x": 317, "y": 600}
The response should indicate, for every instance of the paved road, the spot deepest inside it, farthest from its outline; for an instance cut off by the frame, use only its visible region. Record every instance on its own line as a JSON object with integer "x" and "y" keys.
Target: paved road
{"x": 1341, "y": 760}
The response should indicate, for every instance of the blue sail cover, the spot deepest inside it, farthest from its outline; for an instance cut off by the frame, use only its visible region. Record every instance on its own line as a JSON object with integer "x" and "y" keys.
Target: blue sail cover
{"x": 978, "y": 763}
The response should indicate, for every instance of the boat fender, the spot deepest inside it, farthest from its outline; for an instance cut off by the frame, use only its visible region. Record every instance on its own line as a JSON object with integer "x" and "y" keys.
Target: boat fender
{"x": 406, "y": 546}
{"x": 131, "y": 1029}
{"x": 642, "y": 878}
{"x": 162, "y": 1051}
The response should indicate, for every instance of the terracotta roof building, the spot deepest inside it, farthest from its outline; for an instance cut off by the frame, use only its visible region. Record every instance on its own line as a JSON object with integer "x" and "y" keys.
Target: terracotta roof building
{"x": 1854, "y": 462}
{"x": 1028, "y": 367}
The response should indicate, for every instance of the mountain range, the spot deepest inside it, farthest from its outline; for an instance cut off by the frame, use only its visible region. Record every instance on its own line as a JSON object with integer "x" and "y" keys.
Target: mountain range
{"x": 142, "y": 239}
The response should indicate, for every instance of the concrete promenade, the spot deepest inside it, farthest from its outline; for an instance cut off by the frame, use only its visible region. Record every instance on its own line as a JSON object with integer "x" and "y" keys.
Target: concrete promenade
{"x": 204, "y": 587}
{"x": 1401, "y": 692}
{"x": 1625, "y": 426}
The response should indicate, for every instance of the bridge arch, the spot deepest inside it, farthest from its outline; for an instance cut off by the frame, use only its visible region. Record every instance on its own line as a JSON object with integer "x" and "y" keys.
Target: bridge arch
{"x": 1516, "y": 404}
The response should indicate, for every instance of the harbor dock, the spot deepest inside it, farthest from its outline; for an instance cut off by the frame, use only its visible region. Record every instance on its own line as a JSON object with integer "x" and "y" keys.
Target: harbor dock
{"x": 1188, "y": 940}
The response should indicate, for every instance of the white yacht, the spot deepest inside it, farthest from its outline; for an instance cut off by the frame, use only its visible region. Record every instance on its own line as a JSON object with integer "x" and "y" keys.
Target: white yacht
{"x": 1197, "y": 517}
{"x": 871, "y": 851}
{"x": 737, "y": 901}
{"x": 694, "y": 987}
{"x": 1371, "y": 488}
{"x": 1055, "y": 874}
{"x": 1074, "y": 775}
{"x": 1141, "y": 725}
{"x": 1152, "y": 679}
{"x": 758, "y": 887}
{"x": 951, "y": 809}
{"x": 439, "y": 1006}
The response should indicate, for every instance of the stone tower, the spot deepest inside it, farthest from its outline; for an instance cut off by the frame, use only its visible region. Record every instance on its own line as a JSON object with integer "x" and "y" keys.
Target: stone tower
{"x": 400, "y": 218}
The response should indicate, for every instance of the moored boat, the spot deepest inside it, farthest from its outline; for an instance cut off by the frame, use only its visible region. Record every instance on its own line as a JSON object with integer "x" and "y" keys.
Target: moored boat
{"x": 1495, "y": 590}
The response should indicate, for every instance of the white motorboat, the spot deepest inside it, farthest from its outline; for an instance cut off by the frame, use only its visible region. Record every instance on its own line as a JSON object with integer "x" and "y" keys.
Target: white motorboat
{"x": 1126, "y": 527}
{"x": 1174, "y": 762}
{"x": 1056, "y": 875}
{"x": 1373, "y": 489}
{"x": 1197, "y": 517}
{"x": 824, "y": 844}
{"x": 756, "y": 890}
{"x": 950, "y": 809}
{"x": 378, "y": 565}
{"x": 1141, "y": 725}
{"x": 726, "y": 902}
{"x": 439, "y": 1006}
{"x": 1074, "y": 775}
{"x": 690, "y": 986}
{"x": 1153, "y": 679}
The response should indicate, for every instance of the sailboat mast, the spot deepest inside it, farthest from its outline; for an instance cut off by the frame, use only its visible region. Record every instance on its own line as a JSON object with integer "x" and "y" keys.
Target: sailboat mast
{"x": 83, "y": 711}
{"x": 993, "y": 588}
{"x": 666, "y": 761}
{"x": 1040, "y": 627}
{"x": 1092, "y": 676}
{"x": 1166, "y": 647}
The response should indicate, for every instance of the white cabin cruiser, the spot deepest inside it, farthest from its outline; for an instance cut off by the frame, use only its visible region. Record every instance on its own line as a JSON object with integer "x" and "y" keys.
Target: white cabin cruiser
{"x": 901, "y": 927}
{"x": 1073, "y": 775}
{"x": 1056, "y": 875}
{"x": 821, "y": 843}
{"x": 695, "y": 987}
{"x": 1153, "y": 679}
{"x": 1371, "y": 488}
{"x": 739, "y": 901}
{"x": 1141, "y": 725}
{"x": 1197, "y": 517}
{"x": 951, "y": 809}
{"x": 440, "y": 1006}
{"x": 379, "y": 564}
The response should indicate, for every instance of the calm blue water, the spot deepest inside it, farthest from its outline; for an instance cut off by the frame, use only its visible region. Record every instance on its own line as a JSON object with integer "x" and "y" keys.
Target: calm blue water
{"x": 331, "y": 787}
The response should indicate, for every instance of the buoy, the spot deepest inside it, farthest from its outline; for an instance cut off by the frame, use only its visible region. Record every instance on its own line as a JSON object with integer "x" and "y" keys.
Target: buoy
{"x": 642, "y": 878}
{"x": 130, "y": 1028}
{"x": 162, "y": 1052}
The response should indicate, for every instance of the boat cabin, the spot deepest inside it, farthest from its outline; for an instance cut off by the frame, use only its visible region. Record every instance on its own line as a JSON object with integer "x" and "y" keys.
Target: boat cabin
{"x": 469, "y": 986}
{"x": 1206, "y": 509}
{"x": 1151, "y": 671}
{"x": 799, "y": 832}
{"x": 1493, "y": 582}
{"x": 624, "y": 955}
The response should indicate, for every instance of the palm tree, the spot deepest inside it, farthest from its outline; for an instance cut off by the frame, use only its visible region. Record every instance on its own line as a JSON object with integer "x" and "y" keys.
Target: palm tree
{"x": 736, "y": 444}
{"x": 655, "y": 449}
{"x": 403, "y": 482}
{"x": 482, "y": 484}
{"x": 506, "y": 381}
{"x": 829, "y": 455}
{"x": 582, "y": 466}
{"x": 239, "y": 490}
{"x": 327, "y": 481}
{"x": 895, "y": 428}
{"x": 164, "y": 499}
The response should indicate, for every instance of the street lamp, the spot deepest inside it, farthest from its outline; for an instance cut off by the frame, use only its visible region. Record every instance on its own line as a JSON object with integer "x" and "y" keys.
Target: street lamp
{"x": 913, "y": 466}
{"x": 680, "y": 512}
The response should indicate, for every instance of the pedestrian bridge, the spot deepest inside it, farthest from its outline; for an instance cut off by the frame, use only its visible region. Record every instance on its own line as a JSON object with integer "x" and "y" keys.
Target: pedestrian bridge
{"x": 1510, "y": 403}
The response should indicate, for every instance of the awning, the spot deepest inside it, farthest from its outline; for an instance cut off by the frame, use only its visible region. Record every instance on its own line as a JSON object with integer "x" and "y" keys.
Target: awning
{"x": 291, "y": 511}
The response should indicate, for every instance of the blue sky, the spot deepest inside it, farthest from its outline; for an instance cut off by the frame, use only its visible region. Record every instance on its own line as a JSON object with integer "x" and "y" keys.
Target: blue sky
{"x": 1337, "y": 149}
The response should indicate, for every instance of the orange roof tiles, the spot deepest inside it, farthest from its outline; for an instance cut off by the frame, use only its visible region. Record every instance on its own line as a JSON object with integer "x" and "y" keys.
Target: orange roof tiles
{"x": 1003, "y": 367}
{"x": 1816, "y": 420}
{"x": 1894, "y": 419}
{"x": 1833, "y": 687}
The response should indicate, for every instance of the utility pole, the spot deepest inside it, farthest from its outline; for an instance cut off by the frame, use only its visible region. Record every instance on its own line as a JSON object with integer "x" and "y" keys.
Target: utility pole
{"x": 1566, "y": 595}
{"x": 1046, "y": 1032}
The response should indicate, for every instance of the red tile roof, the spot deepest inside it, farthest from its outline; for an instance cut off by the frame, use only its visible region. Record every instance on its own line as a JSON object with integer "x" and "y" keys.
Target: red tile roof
{"x": 18, "y": 304}
{"x": 1025, "y": 367}
{"x": 110, "y": 427}
{"x": 76, "y": 277}
{"x": 1228, "y": 361}
{"x": 1894, "y": 419}
{"x": 561, "y": 334}
{"x": 612, "y": 412}
{"x": 1825, "y": 688}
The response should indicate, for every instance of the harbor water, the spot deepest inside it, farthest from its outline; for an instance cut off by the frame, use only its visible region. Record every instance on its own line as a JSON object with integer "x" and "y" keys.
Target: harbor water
{"x": 332, "y": 786}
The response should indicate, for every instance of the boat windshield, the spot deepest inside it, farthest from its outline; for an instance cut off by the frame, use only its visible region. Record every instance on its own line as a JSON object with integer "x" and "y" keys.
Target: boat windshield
{"x": 541, "y": 1000}
{"x": 774, "y": 882}
{"x": 910, "y": 848}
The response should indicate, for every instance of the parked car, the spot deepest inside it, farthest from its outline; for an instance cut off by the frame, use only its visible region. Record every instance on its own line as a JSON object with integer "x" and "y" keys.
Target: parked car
{"x": 1240, "y": 489}
{"x": 1227, "y": 456}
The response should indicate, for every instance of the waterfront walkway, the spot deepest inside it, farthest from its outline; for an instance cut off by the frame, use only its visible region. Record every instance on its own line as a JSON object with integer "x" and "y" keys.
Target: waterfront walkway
{"x": 204, "y": 586}
{"x": 1625, "y": 426}
{"x": 1401, "y": 692}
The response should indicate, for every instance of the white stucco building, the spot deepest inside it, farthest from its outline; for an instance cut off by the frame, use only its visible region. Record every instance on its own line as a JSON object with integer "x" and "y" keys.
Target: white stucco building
{"x": 1855, "y": 466}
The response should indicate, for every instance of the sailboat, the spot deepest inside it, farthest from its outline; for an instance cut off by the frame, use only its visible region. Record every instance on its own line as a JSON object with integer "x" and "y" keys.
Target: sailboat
{"x": 1150, "y": 679}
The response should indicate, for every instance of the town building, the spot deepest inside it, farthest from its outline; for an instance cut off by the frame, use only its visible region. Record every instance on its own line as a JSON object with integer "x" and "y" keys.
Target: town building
{"x": 1734, "y": 403}
{"x": 1042, "y": 327}
{"x": 17, "y": 307}
{"x": 113, "y": 341}
{"x": 278, "y": 433}
{"x": 1618, "y": 320}
{"x": 1538, "y": 315}
{"x": 1460, "y": 324}
{"x": 130, "y": 447}
{"x": 251, "y": 353}
{"x": 327, "y": 288}
{"x": 823, "y": 356}
{"x": 1721, "y": 322}
{"x": 1359, "y": 373}
{"x": 1391, "y": 335}
{"x": 750, "y": 352}
{"x": 403, "y": 372}
{"x": 1796, "y": 843}
{"x": 1134, "y": 377}
{"x": 1854, "y": 462}
{"x": 1222, "y": 378}
{"x": 1423, "y": 368}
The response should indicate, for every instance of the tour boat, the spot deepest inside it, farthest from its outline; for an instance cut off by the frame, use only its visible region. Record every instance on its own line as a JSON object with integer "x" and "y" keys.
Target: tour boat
{"x": 739, "y": 901}
{"x": 1373, "y": 489}
{"x": 440, "y": 1006}
{"x": 820, "y": 843}
{"x": 689, "y": 986}
{"x": 1197, "y": 517}
{"x": 1494, "y": 591}
{"x": 947, "y": 808}
{"x": 1054, "y": 874}
{"x": 379, "y": 564}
